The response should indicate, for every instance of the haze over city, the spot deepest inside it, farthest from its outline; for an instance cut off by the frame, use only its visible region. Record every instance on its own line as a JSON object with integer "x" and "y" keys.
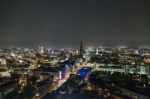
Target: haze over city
{"x": 63, "y": 23}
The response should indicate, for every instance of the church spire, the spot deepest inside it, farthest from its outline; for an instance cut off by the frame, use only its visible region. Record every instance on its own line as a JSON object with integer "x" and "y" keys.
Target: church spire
{"x": 81, "y": 49}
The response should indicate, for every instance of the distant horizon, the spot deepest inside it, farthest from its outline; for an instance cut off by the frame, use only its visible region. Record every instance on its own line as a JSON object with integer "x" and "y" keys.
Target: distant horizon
{"x": 77, "y": 47}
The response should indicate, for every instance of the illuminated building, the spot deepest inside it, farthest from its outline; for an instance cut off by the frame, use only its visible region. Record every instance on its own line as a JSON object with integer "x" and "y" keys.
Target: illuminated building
{"x": 97, "y": 51}
{"x": 2, "y": 61}
{"x": 42, "y": 49}
{"x": 60, "y": 75}
{"x": 20, "y": 68}
{"x": 82, "y": 72}
{"x": 139, "y": 69}
{"x": 5, "y": 73}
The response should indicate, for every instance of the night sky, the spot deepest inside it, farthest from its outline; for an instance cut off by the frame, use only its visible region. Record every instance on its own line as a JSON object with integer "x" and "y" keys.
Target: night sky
{"x": 63, "y": 23}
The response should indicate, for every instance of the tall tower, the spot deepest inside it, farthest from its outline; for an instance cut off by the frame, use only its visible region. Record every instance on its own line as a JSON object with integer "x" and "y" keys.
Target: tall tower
{"x": 81, "y": 49}
{"x": 97, "y": 51}
{"x": 44, "y": 49}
